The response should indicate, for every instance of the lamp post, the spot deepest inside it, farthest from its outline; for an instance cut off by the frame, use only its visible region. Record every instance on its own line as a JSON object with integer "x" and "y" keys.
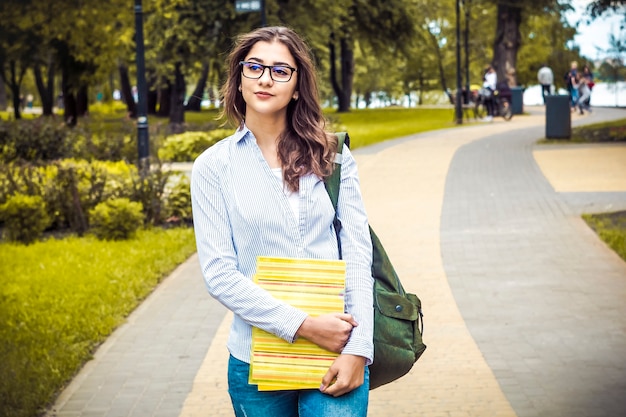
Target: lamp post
{"x": 466, "y": 7}
{"x": 459, "y": 109}
{"x": 142, "y": 105}
{"x": 263, "y": 14}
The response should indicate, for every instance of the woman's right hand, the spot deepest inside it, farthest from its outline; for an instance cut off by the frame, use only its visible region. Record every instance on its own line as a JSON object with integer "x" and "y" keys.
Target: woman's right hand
{"x": 329, "y": 331}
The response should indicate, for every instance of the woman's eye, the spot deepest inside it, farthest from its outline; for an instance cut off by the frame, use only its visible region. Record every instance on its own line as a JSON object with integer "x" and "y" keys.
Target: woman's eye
{"x": 255, "y": 67}
{"x": 282, "y": 71}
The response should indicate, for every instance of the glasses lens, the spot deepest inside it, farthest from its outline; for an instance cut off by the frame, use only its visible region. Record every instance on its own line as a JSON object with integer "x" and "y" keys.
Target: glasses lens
{"x": 252, "y": 70}
{"x": 281, "y": 73}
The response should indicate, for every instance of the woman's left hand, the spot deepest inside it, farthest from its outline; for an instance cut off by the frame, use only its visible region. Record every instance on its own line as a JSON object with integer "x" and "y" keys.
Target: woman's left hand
{"x": 345, "y": 374}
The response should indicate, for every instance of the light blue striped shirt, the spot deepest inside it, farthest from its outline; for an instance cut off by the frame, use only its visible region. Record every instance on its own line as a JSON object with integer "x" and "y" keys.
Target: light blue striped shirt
{"x": 240, "y": 211}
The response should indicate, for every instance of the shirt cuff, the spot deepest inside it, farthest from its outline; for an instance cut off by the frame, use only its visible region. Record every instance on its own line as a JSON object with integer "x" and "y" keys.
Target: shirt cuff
{"x": 293, "y": 325}
{"x": 360, "y": 347}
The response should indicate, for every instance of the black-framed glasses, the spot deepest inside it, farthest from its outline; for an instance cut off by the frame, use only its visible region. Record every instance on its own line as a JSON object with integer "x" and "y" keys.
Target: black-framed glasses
{"x": 278, "y": 73}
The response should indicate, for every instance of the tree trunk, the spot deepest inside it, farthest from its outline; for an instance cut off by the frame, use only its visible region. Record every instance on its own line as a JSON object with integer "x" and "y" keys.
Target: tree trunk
{"x": 3, "y": 96}
{"x": 127, "y": 92}
{"x": 14, "y": 84}
{"x": 45, "y": 88}
{"x": 152, "y": 97}
{"x": 165, "y": 101}
{"x": 442, "y": 73}
{"x": 17, "y": 102}
{"x": 343, "y": 91}
{"x": 420, "y": 98}
{"x": 507, "y": 41}
{"x": 368, "y": 98}
{"x": 177, "y": 109}
{"x": 195, "y": 101}
{"x": 70, "y": 112}
{"x": 347, "y": 74}
{"x": 82, "y": 101}
{"x": 333, "y": 66}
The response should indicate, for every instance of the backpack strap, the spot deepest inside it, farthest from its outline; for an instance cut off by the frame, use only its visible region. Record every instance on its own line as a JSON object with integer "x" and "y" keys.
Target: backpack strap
{"x": 333, "y": 182}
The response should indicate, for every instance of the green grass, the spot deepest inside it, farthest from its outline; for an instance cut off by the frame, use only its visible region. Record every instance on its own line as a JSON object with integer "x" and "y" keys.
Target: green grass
{"x": 365, "y": 127}
{"x": 59, "y": 299}
{"x": 611, "y": 227}
{"x": 613, "y": 131}
{"x": 370, "y": 126}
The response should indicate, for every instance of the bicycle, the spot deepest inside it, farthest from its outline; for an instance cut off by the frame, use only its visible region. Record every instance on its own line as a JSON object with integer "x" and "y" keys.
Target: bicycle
{"x": 502, "y": 105}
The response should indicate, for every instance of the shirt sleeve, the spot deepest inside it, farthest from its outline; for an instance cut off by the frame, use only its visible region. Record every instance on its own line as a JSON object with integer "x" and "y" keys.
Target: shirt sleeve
{"x": 218, "y": 258}
{"x": 356, "y": 245}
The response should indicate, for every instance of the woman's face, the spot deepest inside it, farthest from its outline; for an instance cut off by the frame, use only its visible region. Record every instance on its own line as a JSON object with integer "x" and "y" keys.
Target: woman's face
{"x": 264, "y": 96}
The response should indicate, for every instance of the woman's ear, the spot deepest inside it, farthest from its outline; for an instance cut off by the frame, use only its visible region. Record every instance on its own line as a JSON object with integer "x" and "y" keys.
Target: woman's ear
{"x": 295, "y": 95}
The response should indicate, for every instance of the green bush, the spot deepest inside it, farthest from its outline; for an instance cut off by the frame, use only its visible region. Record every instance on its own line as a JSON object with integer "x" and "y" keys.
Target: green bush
{"x": 24, "y": 217}
{"x": 76, "y": 187}
{"x": 186, "y": 147}
{"x": 178, "y": 202}
{"x": 108, "y": 108}
{"x": 70, "y": 188}
{"x": 47, "y": 139}
{"x": 149, "y": 190}
{"x": 116, "y": 219}
{"x": 33, "y": 140}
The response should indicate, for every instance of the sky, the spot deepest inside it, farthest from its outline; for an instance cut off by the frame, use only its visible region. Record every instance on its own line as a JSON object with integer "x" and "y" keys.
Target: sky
{"x": 594, "y": 35}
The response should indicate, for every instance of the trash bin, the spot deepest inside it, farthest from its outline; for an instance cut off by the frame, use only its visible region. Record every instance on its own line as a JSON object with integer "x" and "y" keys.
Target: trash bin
{"x": 517, "y": 100}
{"x": 558, "y": 117}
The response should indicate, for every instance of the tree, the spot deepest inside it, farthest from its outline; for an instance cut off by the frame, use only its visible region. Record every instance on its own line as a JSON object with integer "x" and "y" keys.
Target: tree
{"x": 75, "y": 38}
{"x": 180, "y": 36}
{"x": 508, "y": 39}
{"x": 386, "y": 26}
{"x": 17, "y": 48}
{"x": 545, "y": 40}
{"x": 599, "y": 7}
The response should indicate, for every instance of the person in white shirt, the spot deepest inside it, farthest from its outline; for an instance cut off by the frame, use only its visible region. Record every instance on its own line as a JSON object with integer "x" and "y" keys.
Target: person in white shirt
{"x": 489, "y": 84}
{"x": 546, "y": 79}
{"x": 260, "y": 192}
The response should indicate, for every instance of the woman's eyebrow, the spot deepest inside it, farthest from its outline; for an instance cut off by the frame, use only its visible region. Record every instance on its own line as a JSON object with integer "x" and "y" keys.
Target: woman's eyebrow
{"x": 260, "y": 61}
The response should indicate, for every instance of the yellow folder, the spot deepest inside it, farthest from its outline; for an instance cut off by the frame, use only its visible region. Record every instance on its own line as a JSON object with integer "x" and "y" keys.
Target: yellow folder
{"x": 315, "y": 286}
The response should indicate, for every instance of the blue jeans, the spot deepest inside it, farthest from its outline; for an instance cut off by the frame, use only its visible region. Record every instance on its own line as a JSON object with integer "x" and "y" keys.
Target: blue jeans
{"x": 574, "y": 94}
{"x": 248, "y": 401}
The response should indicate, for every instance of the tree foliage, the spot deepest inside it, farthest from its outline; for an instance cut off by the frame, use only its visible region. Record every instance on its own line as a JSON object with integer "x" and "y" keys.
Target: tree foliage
{"x": 362, "y": 47}
{"x": 599, "y": 7}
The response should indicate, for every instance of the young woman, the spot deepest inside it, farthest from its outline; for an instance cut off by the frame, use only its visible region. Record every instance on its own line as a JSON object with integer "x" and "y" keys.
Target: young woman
{"x": 261, "y": 192}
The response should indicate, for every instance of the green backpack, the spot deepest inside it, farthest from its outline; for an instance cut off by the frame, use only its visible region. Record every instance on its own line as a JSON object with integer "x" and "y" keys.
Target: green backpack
{"x": 398, "y": 325}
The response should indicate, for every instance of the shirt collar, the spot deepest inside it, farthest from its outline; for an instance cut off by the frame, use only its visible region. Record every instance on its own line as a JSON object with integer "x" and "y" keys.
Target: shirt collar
{"x": 241, "y": 133}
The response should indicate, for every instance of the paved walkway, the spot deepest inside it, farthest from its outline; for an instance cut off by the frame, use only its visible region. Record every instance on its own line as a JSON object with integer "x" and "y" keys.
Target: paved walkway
{"x": 524, "y": 305}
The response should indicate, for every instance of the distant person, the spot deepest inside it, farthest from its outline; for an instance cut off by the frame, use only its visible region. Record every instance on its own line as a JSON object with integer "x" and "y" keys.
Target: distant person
{"x": 584, "y": 93}
{"x": 490, "y": 80}
{"x": 588, "y": 75}
{"x": 546, "y": 79}
{"x": 570, "y": 82}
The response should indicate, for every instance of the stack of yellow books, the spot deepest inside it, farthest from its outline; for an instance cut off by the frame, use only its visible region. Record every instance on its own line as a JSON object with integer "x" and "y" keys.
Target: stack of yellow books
{"x": 314, "y": 286}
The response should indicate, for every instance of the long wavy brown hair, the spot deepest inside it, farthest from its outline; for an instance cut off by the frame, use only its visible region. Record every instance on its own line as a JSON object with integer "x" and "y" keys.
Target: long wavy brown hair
{"x": 304, "y": 147}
